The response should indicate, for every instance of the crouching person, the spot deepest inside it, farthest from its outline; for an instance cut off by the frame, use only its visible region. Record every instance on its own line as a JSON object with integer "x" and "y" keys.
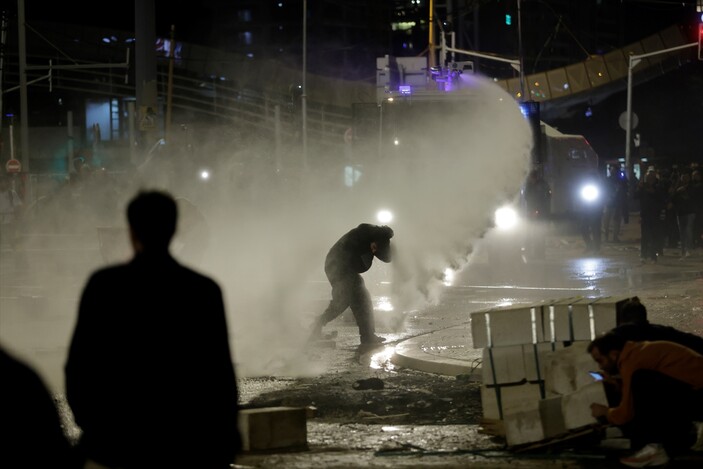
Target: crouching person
{"x": 661, "y": 396}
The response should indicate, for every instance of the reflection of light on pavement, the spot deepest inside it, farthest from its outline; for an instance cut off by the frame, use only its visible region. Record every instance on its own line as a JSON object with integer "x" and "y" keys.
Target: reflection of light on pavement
{"x": 590, "y": 268}
{"x": 382, "y": 360}
{"x": 448, "y": 277}
{"x": 441, "y": 348}
{"x": 389, "y": 428}
{"x": 384, "y": 304}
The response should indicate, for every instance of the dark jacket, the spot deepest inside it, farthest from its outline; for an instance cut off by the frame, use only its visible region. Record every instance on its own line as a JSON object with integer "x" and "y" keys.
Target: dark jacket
{"x": 656, "y": 332}
{"x": 149, "y": 375}
{"x": 653, "y": 200}
{"x": 683, "y": 199}
{"x": 31, "y": 435}
{"x": 351, "y": 254}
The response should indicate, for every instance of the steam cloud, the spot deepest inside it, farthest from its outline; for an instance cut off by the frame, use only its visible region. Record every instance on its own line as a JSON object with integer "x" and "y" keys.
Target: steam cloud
{"x": 450, "y": 170}
{"x": 264, "y": 237}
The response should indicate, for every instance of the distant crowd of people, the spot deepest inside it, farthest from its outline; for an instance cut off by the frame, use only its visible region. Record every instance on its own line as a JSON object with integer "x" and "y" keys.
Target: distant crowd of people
{"x": 670, "y": 207}
{"x": 671, "y": 211}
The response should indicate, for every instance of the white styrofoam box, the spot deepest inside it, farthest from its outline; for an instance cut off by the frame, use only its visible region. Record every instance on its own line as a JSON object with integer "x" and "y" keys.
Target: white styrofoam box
{"x": 523, "y": 427}
{"x": 566, "y": 369}
{"x": 556, "y": 316}
{"x": 509, "y": 365}
{"x": 516, "y": 363}
{"x": 509, "y": 326}
{"x": 531, "y": 364}
{"x": 606, "y": 309}
{"x": 589, "y": 318}
{"x": 518, "y": 398}
{"x": 576, "y": 406}
{"x": 552, "y": 416}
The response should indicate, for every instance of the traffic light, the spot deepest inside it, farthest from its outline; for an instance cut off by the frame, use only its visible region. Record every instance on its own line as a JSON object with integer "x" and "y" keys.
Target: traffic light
{"x": 700, "y": 40}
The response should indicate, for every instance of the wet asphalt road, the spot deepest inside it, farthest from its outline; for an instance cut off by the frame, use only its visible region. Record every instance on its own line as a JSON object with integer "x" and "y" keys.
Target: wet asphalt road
{"x": 672, "y": 290}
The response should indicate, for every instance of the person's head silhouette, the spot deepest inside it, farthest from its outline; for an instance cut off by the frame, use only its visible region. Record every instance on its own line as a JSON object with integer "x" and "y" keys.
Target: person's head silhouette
{"x": 152, "y": 219}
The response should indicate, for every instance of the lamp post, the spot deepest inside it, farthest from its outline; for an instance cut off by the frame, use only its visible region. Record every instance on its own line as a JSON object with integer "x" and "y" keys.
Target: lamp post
{"x": 304, "y": 97}
{"x": 520, "y": 52}
{"x": 431, "y": 45}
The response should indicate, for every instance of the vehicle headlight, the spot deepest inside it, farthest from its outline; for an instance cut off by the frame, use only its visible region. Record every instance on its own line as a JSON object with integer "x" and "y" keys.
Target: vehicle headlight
{"x": 384, "y": 216}
{"x": 506, "y": 218}
{"x": 589, "y": 193}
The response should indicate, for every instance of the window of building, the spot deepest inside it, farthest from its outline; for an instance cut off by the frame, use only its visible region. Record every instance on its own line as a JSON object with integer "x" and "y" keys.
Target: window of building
{"x": 244, "y": 15}
{"x": 246, "y": 37}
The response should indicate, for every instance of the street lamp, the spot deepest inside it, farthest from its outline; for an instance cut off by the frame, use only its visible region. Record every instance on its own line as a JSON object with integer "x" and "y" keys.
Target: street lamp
{"x": 304, "y": 97}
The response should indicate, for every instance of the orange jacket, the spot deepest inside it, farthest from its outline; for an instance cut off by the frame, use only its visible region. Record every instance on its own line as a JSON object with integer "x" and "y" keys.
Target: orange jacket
{"x": 668, "y": 358}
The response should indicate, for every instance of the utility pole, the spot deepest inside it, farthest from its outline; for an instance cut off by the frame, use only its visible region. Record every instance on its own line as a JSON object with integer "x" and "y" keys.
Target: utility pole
{"x": 24, "y": 112}
{"x": 3, "y": 39}
{"x": 432, "y": 60}
{"x": 520, "y": 51}
{"x": 304, "y": 97}
{"x": 169, "y": 91}
{"x": 144, "y": 21}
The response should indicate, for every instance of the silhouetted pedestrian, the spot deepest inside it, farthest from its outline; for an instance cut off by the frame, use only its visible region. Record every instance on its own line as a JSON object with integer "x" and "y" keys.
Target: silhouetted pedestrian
{"x": 537, "y": 198}
{"x": 350, "y": 256}
{"x": 653, "y": 201}
{"x": 591, "y": 212}
{"x": 682, "y": 199}
{"x": 616, "y": 210}
{"x": 10, "y": 207}
{"x": 149, "y": 375}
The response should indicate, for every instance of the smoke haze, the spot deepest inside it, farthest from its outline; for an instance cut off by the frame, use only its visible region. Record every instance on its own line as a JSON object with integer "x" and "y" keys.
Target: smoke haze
{"x": 263, "y": 234}
{"x": 442, "y": 183}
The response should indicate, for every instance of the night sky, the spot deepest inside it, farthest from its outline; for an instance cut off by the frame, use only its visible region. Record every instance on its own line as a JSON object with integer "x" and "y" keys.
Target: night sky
{"x": 670, "y": 107}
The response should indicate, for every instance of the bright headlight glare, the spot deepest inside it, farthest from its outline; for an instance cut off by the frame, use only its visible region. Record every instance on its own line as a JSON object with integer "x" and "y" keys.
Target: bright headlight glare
{"x": 589, "y": 192}
{"x": 384, "y": 216}
{"x": 506, "y": 218}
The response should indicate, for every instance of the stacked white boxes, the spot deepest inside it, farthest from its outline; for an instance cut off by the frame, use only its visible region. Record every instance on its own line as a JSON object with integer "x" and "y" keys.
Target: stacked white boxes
{"x": 535, "y": 365}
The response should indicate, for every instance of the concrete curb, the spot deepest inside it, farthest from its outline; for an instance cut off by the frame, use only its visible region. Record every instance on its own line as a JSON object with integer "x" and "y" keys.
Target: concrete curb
{"x": 439, "y": 351}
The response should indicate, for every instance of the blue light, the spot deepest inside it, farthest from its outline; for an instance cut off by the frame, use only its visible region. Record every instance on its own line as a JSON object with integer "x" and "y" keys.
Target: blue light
{"x": 508, "y": 19}
{"x": 405, "y": 90}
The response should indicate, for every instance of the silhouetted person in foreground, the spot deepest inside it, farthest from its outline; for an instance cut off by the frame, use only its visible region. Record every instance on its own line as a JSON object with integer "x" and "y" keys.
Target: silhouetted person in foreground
{"x": 31, "y": 435}
{"x": 149, "y": 375}
{"x": 350, "y": 256}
